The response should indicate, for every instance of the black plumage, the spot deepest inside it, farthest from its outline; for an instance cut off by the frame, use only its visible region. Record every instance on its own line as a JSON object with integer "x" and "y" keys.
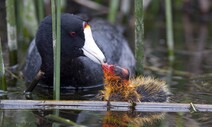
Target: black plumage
{"x": 76, "y": 70}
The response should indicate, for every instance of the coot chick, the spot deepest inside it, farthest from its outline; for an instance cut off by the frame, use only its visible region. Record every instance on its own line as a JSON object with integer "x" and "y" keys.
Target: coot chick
{"x": 118, "y": 87}
{"x": 77, "y": 41}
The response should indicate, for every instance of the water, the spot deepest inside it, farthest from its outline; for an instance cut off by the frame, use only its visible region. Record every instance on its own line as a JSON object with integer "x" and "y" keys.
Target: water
{"x": 196, "y": 89}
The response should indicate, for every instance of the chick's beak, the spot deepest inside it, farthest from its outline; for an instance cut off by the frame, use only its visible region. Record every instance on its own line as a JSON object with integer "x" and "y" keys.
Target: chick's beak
{"x": 90, "y": 49}
{"x": 108, "y": 68}
{"x": 104, "y": 66}
{"x": 116, "y": 70}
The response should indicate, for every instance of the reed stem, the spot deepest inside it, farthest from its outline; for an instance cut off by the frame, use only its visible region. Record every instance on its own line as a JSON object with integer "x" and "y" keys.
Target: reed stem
{"x": 20, "y": 11}
{"x": 40, "y": 10}
{"x": 30, "y": 19}
{"x": 58, "y": 52}
{"x": 54, "y": 41}
{"x": 56, "y": 47}
{"x": 139, "y": 36}
{"x": 11, "y": 32}
{"x": 114, "y": 4}
{"x": 169, "y": 32}
{"x": 3, "y": 84}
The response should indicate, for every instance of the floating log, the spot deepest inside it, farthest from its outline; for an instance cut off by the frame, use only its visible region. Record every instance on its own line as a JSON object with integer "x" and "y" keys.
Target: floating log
{"x": 102, "y": 106}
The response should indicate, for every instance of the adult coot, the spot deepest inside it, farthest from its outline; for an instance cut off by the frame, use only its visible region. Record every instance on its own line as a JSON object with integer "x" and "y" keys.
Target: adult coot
{"x": 77, "y": 41}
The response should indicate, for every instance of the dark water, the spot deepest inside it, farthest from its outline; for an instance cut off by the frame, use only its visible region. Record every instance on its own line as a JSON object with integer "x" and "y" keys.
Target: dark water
{"x": 195, "y": 88}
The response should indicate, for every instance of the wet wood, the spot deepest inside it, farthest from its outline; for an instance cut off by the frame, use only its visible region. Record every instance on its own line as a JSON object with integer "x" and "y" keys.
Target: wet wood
{"x": 102, "y": 106}
{"x": 34, "y": 83}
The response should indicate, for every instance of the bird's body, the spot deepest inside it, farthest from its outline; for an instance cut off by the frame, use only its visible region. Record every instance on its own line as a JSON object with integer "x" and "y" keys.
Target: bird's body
{"x": 77, "y": 70}
{"x": 141, "y": 89}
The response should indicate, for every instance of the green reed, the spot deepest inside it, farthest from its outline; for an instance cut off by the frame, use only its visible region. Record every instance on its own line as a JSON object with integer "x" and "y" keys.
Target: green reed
{"x": 169, "y": 32}
{"x": 40, "y": 10}
{"x": 3, "y": 84}
{"x": 139, "y": 36}
{"x": 114, "y": 4}
{"x": 56, "y": 46}
{"x": 11, "y": 31}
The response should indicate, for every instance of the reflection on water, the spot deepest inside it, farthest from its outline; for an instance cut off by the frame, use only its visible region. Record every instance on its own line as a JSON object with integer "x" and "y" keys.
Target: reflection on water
{"x": 134, "y": 119}
{"x": 38, "y": 118}
{"x": 86, "y": 118}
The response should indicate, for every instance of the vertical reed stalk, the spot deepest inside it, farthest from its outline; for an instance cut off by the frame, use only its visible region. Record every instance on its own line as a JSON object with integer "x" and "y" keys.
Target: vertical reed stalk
{"x": 58, "y": 52}
{"x": 11, "y": 32}
{"x": 20, "y": 11}
{"x": 56, "y": 47}
{"x": 114, "y": 4}
{"x": 40, "y": 10}
{"x": 3, "y": 85}
{"x": 169, "y": 32}
{"x": 56, "y": 113}
{"x": 125, "y": 6}
{"x": 125, "y": 11}
{"x": 63, "y": 5}
{"x": 30, "y": 20}
{"x": 139, "y": 36}
{"x": 54, "y": 41}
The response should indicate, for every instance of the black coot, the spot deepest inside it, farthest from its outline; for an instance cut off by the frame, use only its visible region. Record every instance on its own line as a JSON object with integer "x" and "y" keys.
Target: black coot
{"x": 77, "y": 41}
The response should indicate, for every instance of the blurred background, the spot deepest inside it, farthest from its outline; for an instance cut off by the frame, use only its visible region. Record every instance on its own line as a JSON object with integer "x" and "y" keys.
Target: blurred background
{"x": 190, "y": 75}
{"x": 191, "y": 24}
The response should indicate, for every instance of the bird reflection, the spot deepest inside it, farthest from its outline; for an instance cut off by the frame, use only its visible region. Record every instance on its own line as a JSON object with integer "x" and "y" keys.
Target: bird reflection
{"x": 134, "y": 119}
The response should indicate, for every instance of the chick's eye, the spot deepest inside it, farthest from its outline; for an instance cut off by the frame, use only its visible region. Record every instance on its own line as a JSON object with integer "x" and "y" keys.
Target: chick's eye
{"x": 73, "y": 34}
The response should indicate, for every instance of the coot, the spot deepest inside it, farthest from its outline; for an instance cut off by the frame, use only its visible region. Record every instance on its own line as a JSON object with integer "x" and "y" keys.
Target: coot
{"x": 77, "y": 71}
{"x": 118, "y": 87}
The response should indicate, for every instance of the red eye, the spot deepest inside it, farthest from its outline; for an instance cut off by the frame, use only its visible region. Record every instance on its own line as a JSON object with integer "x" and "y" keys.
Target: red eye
{"x": 73, "y": 34}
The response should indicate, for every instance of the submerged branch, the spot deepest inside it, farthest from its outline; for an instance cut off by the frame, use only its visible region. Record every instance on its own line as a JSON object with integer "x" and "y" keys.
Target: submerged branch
{"x": 34, "y": 82}
{"x": 175, "y": 72}
{"x": 180, "y": 73}
{"x": 61, "y": 120}
{"x": 12, "y": 74}
{"x": 102, "y": 106}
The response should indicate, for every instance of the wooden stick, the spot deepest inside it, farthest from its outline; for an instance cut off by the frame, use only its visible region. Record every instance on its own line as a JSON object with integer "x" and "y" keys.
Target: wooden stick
{"x": 102, "y": 106}
{"x": 34, "y": 83}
